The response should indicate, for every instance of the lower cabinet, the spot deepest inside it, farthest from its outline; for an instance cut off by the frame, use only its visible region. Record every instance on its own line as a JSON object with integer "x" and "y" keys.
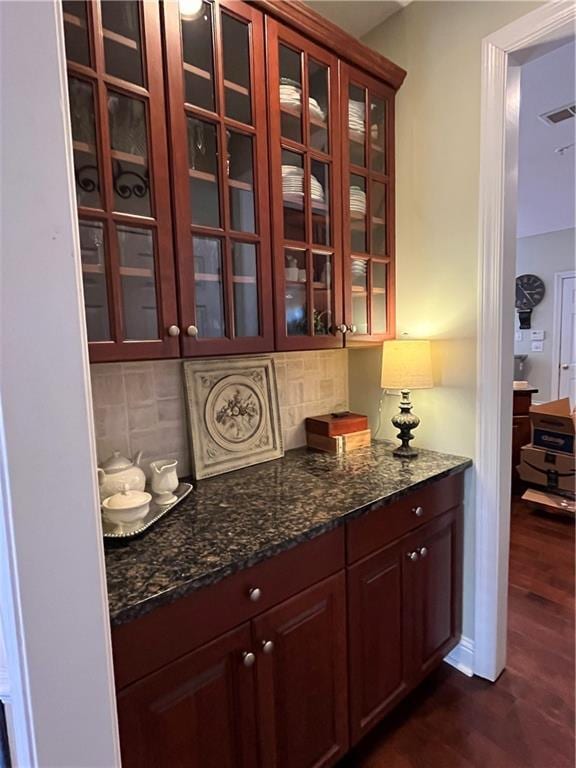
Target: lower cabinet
{"x": 404, "y": 617}
{"x": 197, "y": 712}
{"x": 288, "y": 663}
{"x": 272, "y": 693}
{"x": 302, "y": 678}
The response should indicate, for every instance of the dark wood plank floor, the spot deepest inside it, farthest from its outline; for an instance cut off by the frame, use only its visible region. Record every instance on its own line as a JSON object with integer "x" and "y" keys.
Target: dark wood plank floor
{"x": 526, "y": 718}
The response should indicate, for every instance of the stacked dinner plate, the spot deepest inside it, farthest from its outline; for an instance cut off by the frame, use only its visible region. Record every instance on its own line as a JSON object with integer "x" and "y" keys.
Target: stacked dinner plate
{"x": 293, "y": 185}
{"x": 291, "y": 97}
{"x": 356, "y": 116}
{"x": 357, "y": 200}
{"x": 290, "y": 93}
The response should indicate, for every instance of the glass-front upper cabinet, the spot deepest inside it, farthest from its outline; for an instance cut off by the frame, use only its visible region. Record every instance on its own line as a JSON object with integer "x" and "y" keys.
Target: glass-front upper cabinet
{"x": 306, "y": 184}
{"x": 215, "y": 57}
{"x": 117, "y": 112}
{"x": 368, "y": 143}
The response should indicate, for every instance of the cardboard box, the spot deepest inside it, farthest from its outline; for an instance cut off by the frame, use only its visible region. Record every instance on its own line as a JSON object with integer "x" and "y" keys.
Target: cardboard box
{"x": 550, "y": 501}
{"x": 332, "y": 425}
{"x": 554, "y": 471}
{"x": 340, "y": 443}
{"x": 553, "y": 426}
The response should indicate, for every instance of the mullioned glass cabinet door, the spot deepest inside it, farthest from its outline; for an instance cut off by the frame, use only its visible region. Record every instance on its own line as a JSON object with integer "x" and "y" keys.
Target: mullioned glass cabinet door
{"x": 219, "y": 170}
{"x": 305, "y": 186}
{"x": 117, "y": 114}
{"x": 367, "y": 124}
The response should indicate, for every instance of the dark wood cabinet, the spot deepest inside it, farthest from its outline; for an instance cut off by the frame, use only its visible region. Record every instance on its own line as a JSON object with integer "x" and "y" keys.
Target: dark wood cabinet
{"x": 120, "y": 154}
{"x": 210, "y": 154}
{"x": 219, "y": 169}
{"x": 367, "y": 114}
{"x": 306, "y": 190}
{"x": 302, "y": 678}
{"x": 336, "y": 638}
{"x": 197, "y": 712}
{"x": 379, "y": 615}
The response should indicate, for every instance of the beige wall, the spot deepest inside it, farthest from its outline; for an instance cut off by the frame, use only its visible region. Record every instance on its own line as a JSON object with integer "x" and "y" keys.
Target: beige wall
{"x": 141, "y": 406}
{"x": 437, "y": 150}
{"x": 542, "y": 255}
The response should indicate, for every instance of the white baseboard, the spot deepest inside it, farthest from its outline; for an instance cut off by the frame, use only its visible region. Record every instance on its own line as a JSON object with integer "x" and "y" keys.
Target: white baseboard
{"x": 462, "y": 657}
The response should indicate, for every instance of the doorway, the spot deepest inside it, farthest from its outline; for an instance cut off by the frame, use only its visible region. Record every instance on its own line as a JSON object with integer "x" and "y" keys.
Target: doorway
{"x": 564, "y": 337}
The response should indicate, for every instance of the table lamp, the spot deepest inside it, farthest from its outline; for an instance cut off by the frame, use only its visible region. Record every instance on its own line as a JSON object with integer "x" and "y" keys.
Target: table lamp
{"x": 406, "y": 365}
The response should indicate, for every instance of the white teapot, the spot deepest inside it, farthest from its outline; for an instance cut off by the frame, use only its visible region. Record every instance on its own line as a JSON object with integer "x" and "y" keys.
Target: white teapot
{"x": 118, "y": 473}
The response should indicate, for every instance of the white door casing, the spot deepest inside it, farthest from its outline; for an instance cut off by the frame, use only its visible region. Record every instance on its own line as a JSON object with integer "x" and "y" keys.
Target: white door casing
{"x": 503, "y": 53}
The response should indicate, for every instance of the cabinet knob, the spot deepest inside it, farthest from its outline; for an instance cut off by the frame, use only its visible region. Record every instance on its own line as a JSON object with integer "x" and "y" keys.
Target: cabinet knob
{"x": 173, "y": 330}
{"x": 352, "y": 329}
{"x": 255, "y": 593}
{"x": 248, "y": 658}
{"x": 267, "y": 646}
{"x": 423, "y": 551}
{"x": 192, "y": 331}
{"x": 413, "y": 556}
{"x": 565, "y": 366}
{"x": 418, "y": 511}
{"x": 342, "y": 328}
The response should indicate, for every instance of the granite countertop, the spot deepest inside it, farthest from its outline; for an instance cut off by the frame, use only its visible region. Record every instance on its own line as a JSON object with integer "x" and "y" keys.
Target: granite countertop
{"x": 233, "y": 521}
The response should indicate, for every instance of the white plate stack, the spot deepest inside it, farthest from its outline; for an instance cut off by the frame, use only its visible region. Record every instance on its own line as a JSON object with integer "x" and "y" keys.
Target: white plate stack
{"x": 356, "y": 115}
{"x": 291, "y": 97}
{"x": 293, "y": 185}
{"x": 357, "y": 200}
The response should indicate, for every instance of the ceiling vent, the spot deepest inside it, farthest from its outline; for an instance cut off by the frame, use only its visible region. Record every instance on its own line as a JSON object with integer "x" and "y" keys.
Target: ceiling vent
{"x": 559, "y": 115}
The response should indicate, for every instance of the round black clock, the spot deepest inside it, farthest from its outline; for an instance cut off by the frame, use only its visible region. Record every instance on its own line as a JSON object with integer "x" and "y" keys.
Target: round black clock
{"x": 529, "y": 291}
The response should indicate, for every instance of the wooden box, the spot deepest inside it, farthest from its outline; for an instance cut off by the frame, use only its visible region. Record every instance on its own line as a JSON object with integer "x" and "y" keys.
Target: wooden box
{"x": 339, "y": 443}
{"x": 333, "y": 425}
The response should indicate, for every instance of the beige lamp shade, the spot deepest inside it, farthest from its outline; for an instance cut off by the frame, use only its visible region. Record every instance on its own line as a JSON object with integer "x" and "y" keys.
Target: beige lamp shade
{"x": 406, "y": 364}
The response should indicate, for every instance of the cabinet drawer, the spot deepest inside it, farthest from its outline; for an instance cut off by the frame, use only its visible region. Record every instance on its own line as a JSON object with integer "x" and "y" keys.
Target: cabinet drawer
{"x": 150, "y": 642}
{"x": 389, "y": 521}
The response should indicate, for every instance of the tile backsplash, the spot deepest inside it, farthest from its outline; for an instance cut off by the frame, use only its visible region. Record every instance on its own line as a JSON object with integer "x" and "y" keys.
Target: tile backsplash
{"x": 141, "y": 406}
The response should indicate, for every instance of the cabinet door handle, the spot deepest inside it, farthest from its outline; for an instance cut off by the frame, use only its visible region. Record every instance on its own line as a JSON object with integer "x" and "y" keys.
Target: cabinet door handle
{"x": 255, "y": 593}
{"x": 423, "y": 551}
{"x": 413, "y": 556}
{"x": 192, "y": 331}
{"x": 267, "y": 646}
{"x": 248, "y": 658}
{"x": 173, "y": 330}
{"x": 418, "y": 511}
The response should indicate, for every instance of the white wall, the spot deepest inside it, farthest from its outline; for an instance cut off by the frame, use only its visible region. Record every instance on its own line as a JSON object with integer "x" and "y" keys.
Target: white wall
{"x": 437, "y": 150}
{"x": 546, "y": 189}
{"x": 52, "y": 582}
{"x": 543, "y": 255}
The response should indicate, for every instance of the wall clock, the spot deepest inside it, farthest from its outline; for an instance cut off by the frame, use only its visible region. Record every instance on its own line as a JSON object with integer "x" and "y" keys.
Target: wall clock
{"x": 529, "y": 293}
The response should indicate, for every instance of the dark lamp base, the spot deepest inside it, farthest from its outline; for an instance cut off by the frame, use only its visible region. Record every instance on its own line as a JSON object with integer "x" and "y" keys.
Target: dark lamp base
{"x": 405, "y": 422}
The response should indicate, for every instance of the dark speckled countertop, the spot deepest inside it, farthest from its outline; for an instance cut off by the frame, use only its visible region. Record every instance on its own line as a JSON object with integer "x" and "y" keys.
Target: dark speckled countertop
{"x": 233, "y": 521}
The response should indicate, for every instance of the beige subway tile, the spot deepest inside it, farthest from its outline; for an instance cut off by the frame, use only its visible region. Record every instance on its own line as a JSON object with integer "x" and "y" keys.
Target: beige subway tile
{"x": 106, "y": 446}
{"x": 170, "y": 411}
{"x": 168, "y": 379}
{"x": 295, "y": 393}
{"x": 325, "y": 389}
{"x": 110, "y": 420}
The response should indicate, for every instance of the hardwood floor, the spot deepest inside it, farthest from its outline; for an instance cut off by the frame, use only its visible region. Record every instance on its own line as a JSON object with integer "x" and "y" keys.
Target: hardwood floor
{"x": 526, "y": 718}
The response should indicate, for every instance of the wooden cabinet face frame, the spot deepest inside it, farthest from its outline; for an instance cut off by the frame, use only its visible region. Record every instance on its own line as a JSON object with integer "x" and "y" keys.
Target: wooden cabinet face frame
{"x": 305, "y": 249}
{"x": 103, "y": 216}
{"x": 370, "y": 178}
{"x": 221, "y": 127}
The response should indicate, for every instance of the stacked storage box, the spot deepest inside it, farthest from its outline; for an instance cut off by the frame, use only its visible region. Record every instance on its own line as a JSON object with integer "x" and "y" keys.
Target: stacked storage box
{"x": 549, "y": 462}
{"x": 337, "y": 432}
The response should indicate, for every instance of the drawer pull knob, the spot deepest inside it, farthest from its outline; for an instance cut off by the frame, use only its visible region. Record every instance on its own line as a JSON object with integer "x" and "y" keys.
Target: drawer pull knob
{"x": 423, "y": 551}
{"x": 267, "y": 646}
{"x": 255, "y": 594}
{"x": 413, "y": 556}
{"x": 173, "y": 330}
{"x": 192, "y": 330}
{"x": 418, "y": 511}
{"x": 248, "y": 658}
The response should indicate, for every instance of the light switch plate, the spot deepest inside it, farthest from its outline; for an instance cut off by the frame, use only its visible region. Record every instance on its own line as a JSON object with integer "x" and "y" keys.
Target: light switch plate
{"x": 518, "y": 336}
{"x": 536, "y": 335}
{"x": 537, "y": 346}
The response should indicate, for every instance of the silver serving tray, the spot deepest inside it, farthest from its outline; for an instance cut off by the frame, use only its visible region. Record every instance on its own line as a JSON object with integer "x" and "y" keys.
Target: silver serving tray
{"x": 117, "y": 531}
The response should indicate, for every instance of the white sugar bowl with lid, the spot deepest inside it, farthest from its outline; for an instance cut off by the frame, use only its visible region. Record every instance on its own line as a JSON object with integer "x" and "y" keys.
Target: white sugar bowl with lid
{"x": 126, "y": 508}
{"x": 117, "y": 472}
